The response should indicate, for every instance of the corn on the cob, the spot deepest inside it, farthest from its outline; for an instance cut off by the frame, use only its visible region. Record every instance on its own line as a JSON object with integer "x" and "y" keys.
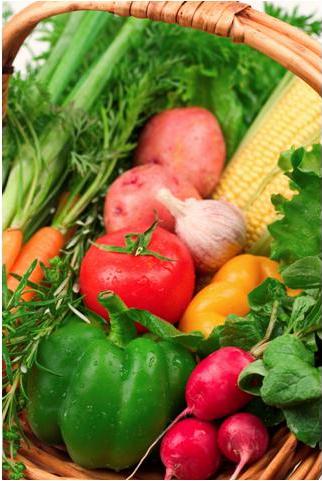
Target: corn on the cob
{"x": 291, "y": 117}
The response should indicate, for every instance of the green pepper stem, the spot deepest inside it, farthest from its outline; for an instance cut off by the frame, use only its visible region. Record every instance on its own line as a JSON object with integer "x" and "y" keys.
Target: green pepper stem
{"x": 112, "y": 302}
{"x": 123, "y": 329}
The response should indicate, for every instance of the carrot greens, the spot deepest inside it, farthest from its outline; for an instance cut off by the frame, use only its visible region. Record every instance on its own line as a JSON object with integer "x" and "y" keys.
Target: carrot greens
{"x": 45, "y": 151}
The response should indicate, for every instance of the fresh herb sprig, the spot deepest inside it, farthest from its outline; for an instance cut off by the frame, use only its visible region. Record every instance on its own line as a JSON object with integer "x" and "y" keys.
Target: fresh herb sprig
{"x": 25, "y": 324}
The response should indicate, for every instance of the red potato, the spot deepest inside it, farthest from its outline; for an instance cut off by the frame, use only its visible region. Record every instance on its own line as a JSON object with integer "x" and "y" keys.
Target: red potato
{"x": 189, "y": 142}
{"x": 189, "y": 450}
{"x": 162, "y": 287}
{"x": 242, "y": 438}
{"x": 131, "y": 199}
{"x": 212, "y": 391}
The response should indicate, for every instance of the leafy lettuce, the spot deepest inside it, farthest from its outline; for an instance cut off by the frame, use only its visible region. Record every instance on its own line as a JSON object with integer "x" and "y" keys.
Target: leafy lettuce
{"x": 297, "y": 234}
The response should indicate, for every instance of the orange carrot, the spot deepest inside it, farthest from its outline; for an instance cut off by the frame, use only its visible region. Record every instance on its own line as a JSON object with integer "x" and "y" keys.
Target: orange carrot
{"x": 43, "y": 246}
{"x": 11, "y": 247}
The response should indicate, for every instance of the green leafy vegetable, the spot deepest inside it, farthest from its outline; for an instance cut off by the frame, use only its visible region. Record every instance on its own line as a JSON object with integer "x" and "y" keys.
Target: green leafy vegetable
{"x": 261, "y": 298}
{"x": 301, "y": 214}
{"x": 212, "y": 343}
{"x": 301, "y": 307}
{"x": 305, "y": 422}
{"x": 286, "y": 378}
{"x": 243, "y": 332}
{"x": 291, "y": 376}
{"x": 271, "y": 416}
{"x": 251, "y": 378}
{"x": 311, "y": 321}
{"x": 305, "y": 273}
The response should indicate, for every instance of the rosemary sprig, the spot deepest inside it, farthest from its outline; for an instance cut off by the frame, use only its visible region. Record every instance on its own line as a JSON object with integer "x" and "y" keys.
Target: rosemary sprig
{"x": 25, "y": 324}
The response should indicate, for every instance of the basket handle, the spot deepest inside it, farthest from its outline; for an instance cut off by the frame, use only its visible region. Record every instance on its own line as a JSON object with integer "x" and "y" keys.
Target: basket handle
{"x": 288, "y": 45}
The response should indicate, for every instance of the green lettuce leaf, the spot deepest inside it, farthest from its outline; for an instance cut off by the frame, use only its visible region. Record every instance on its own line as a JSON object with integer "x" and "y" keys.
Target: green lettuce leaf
{"x": 305, "y": 422}
{"x": 270, "y": 415}
{"x": 305, "y": 273}
{"x": 243, "y": 332}
{"x": 287, "y": 381}
{"x": 298, "y": 233}
{"x": 214, "y": 91}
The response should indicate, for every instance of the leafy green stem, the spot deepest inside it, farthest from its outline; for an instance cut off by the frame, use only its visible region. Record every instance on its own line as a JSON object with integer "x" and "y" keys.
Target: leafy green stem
{"x": 260, "y": 347}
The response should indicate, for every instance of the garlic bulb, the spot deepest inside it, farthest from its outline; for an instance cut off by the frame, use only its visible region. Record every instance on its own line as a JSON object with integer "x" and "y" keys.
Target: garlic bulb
{"x": 213, "y": 230}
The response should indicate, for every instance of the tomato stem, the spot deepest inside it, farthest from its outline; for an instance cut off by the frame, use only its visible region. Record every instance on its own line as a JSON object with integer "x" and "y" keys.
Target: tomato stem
{"x": 136, "y": 243}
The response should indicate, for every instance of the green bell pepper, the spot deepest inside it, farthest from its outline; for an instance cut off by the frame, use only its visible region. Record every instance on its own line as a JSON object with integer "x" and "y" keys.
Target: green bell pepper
{"x": 107, "y": 396}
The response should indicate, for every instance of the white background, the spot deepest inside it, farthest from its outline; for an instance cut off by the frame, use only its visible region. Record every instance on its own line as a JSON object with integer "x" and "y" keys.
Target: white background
{"x": 305, "y": 7}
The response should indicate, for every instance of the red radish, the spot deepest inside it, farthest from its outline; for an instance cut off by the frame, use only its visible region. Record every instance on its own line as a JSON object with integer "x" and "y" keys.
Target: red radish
{"x": 243, "y": 439}
{"x": 189, "y": 450}
{"x": 212, "y": 391}
{"x": 189, "y": 142}
{"x": 132, "y": 198}
{"x": 163, "y": 286}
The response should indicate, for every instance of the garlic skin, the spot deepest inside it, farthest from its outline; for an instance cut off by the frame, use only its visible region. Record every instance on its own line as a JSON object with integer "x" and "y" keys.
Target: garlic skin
{"x": 213, "y": 230}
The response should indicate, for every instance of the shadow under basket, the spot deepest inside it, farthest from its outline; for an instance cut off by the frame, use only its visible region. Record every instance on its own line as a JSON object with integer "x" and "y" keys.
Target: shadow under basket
{"x": 296, "y": 51}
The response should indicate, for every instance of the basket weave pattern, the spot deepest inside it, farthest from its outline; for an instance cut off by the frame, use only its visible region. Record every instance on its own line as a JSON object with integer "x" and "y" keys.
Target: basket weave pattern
{"x": 296, "y": 51}
{"x": 285, "y": 459}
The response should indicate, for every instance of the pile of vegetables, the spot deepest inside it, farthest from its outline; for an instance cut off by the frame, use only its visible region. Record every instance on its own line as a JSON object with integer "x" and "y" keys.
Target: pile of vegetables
{"x": 110, "y": 238}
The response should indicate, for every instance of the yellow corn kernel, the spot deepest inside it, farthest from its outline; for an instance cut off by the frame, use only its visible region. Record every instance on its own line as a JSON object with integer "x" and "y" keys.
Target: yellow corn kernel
{"x": 291, "y": 117}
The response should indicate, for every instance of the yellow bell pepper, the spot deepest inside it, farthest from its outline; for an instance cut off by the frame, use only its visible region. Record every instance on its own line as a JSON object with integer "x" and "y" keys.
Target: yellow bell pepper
{"x": 228, "y": 292}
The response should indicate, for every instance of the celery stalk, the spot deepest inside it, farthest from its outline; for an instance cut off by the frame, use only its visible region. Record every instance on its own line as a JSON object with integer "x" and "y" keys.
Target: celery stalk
{"x": 45, "y": 73}
{"x": 89, "y": 29}
{"x": 82, "y": 97}
{"x": 55, "y": 136}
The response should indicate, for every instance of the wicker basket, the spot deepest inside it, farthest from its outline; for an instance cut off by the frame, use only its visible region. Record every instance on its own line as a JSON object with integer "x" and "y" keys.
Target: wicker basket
{"x": 296, "y": 51}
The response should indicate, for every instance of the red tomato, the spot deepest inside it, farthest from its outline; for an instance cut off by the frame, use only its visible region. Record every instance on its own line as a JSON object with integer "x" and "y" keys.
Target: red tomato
{"x": 142, "y": 281}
